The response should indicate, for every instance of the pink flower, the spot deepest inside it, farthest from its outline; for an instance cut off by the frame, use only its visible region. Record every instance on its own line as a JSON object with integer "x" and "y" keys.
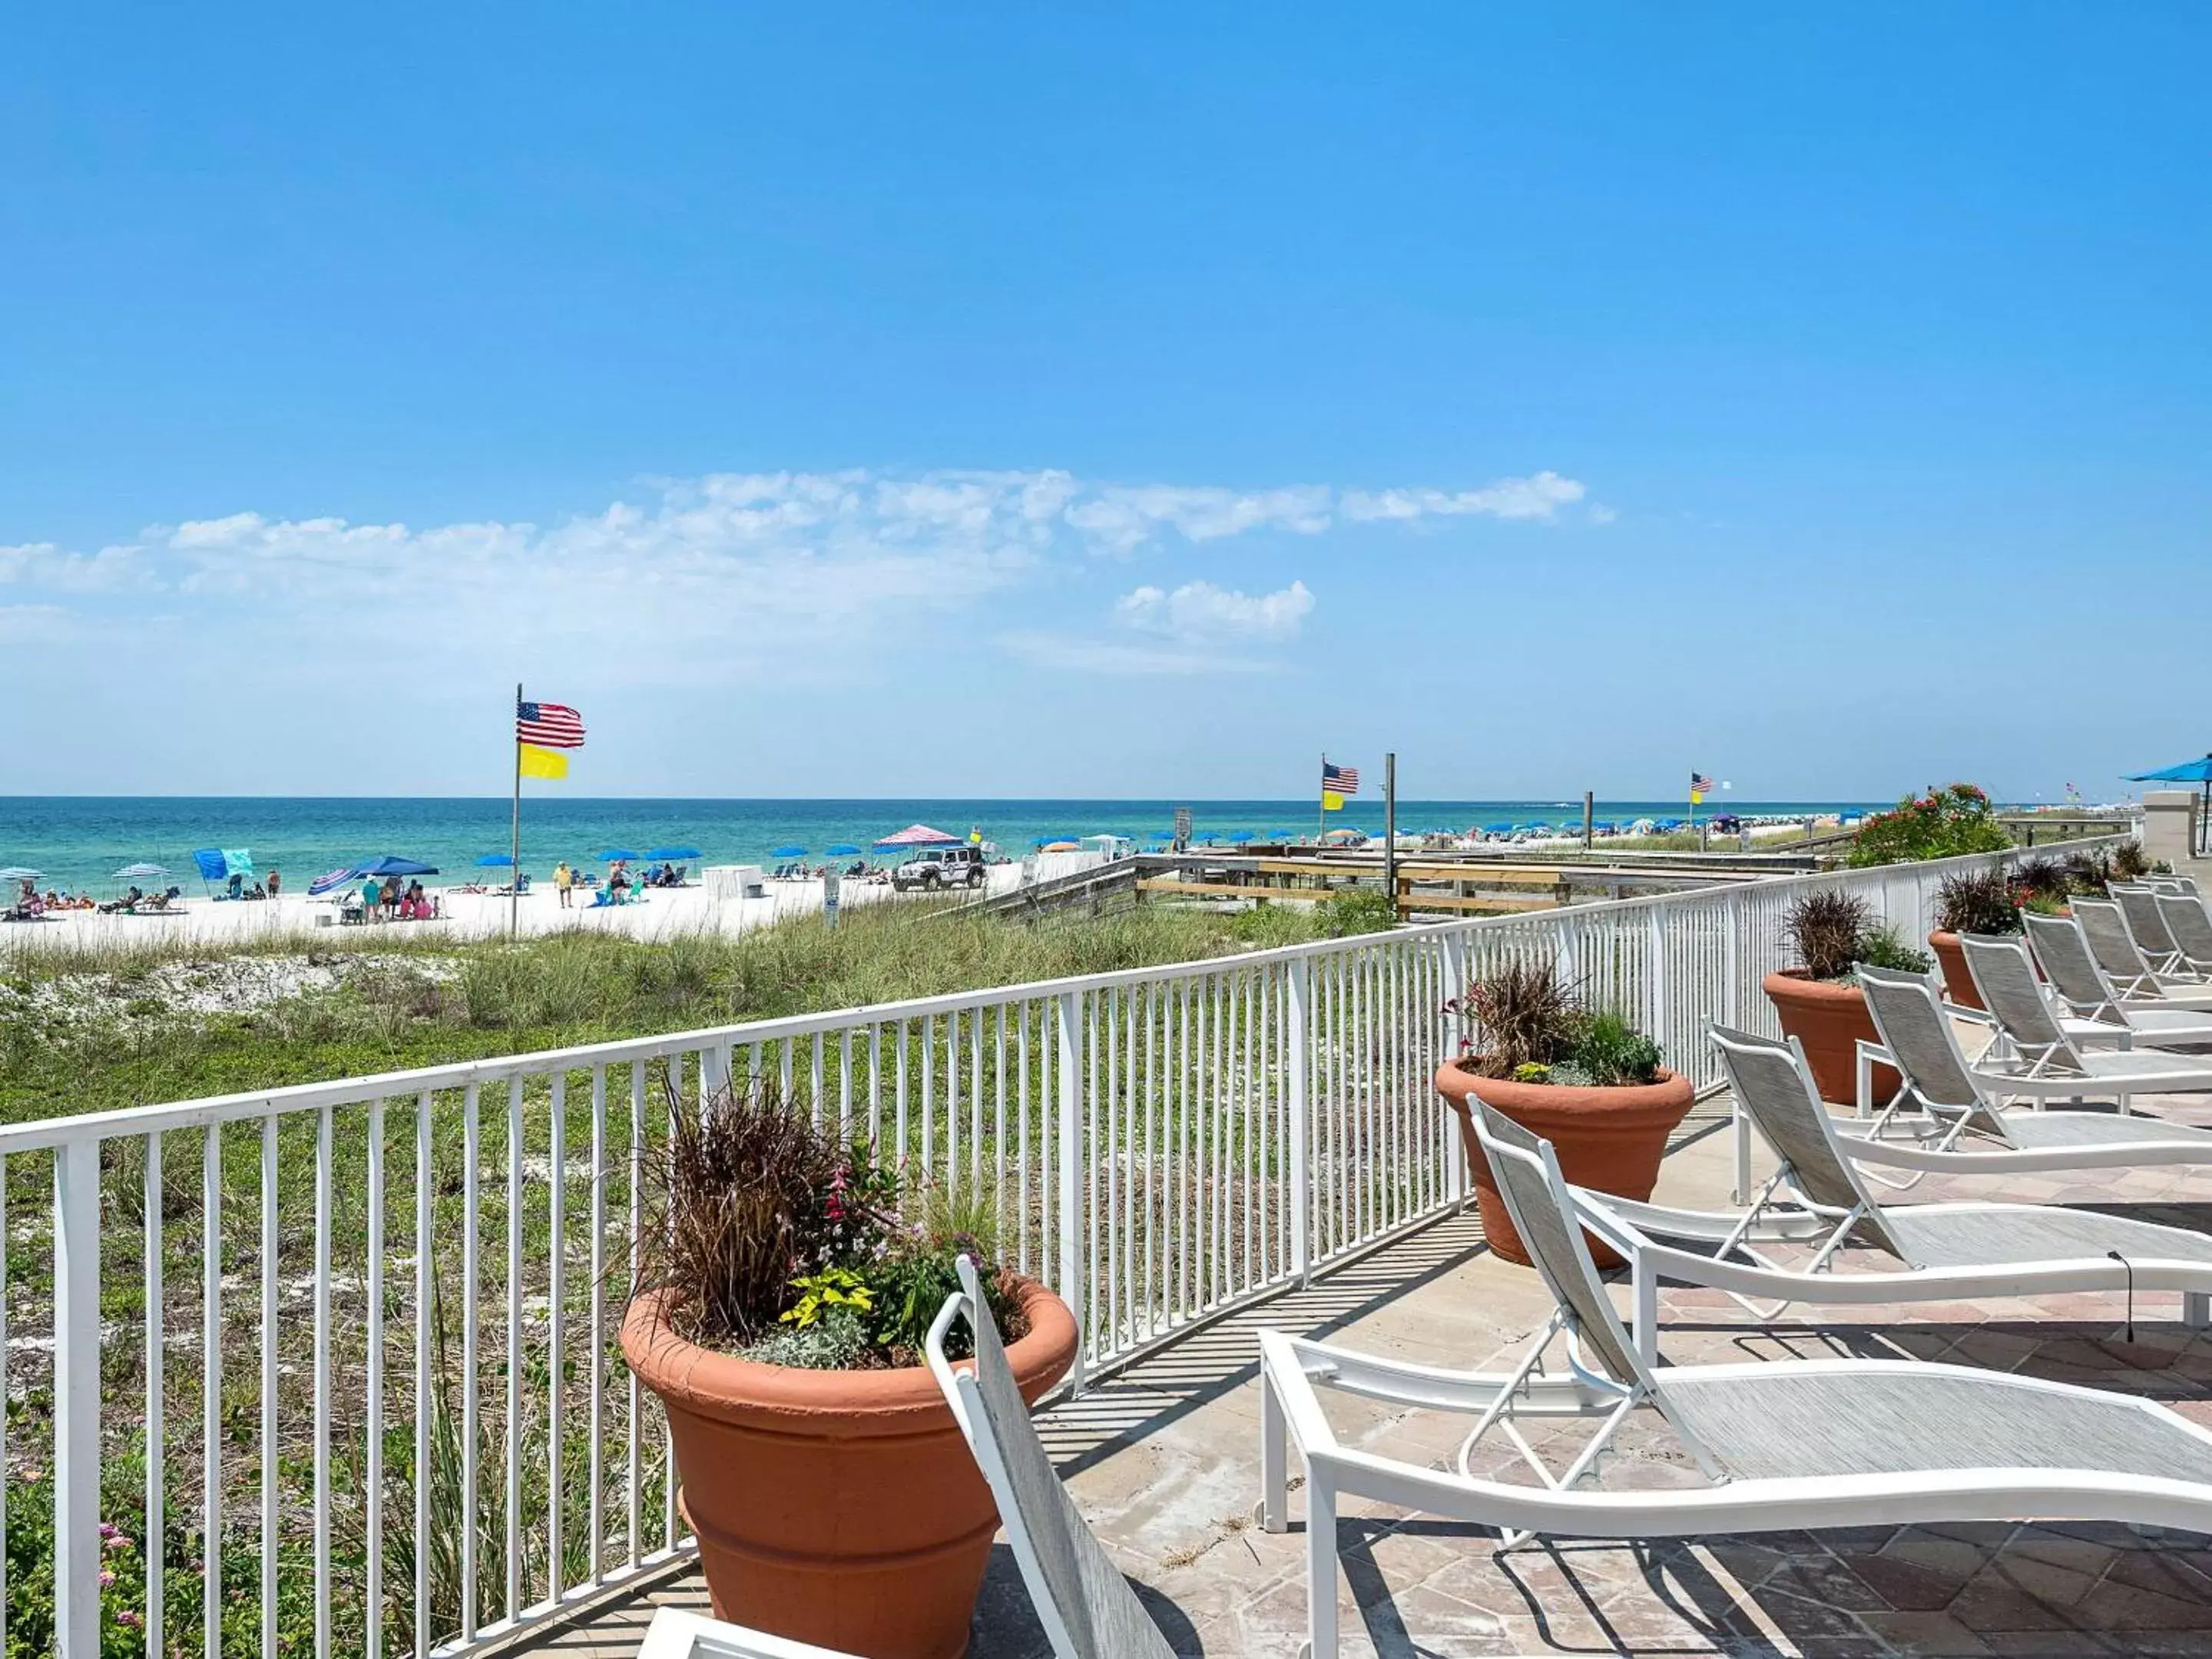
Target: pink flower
{"x": 115, "y": 1540}
{"x": 105, "y": 1578}
{"x": 107, "y": 1529}
{"x": 127, "y": 1618}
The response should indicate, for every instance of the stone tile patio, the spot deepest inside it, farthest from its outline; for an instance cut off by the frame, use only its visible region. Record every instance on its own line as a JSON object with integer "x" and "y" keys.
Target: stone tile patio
{"x": 1164, "y": 1460}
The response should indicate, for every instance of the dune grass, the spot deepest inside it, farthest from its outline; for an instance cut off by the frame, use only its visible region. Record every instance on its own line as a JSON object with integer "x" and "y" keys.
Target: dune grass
{"x": 405, "y": 1001}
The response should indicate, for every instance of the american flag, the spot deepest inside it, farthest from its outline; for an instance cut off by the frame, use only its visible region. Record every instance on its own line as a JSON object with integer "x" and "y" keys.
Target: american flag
{"x": 1700, "y": 784}
{"x": 1339, "y": 780}
{"x": 549, "y": 725}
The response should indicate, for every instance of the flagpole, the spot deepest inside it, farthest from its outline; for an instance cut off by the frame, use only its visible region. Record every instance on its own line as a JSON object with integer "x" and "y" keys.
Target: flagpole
{"x": 514, "y": 868}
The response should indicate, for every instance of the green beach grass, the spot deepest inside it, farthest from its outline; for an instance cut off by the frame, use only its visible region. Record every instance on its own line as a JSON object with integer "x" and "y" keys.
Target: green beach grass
{"x": 97, "y": 1030}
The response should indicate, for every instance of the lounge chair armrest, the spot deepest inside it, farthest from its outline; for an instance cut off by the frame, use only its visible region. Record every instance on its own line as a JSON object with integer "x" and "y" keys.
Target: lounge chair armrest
{"x": 1702, "y": 1226}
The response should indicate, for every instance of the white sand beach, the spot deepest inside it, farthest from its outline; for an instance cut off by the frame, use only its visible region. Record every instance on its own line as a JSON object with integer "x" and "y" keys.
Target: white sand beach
{"x": 658, "y": 913}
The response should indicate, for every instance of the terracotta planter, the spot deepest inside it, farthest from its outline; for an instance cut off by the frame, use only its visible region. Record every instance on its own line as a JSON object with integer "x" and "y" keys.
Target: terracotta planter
{"x": 1610, "y": 1141}
{"x": 838, "y": 1507}
{"x": 1958, "y": 978}
{"x": 1829, "y": 1020}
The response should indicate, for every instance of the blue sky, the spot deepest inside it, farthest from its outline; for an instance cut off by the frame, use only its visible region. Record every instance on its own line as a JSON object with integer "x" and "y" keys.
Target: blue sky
{"x": 1111, "y": 401}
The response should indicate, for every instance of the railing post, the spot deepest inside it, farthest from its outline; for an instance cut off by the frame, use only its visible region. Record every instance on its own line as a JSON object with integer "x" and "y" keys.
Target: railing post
{"x": 1656, "y": 1023}
{"x": 1071, "y": 1286}
{"x": 1447, "y": 1049}
{"x": 1301, "y": 1103}
{"x": 77, "y": 1399}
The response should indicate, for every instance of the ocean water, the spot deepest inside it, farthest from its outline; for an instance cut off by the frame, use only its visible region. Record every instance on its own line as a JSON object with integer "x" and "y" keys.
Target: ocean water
{"x": 78, "y": 842}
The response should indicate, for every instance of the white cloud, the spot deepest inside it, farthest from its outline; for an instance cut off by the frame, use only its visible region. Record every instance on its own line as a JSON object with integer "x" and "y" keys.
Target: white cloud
{"x": 1200, "y": 610}
{"x": 724, "y": 576}
{"x": 1541, "y": 496}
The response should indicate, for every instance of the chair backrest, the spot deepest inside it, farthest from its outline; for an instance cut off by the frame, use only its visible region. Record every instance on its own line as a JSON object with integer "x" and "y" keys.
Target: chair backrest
{"x": 2140, "y": 906}
{"x": 2104, "y": 930}
{"x": 1915, "y": 1029}
{"x": 2067, "y": 963}
{"x": 2189, "y": 925}
{"x": 1085, "y": 1605}
{"x": 2005, "y": 975}
{"x": 1536, "y": 1194}
{"x": 1773, "y": 1082}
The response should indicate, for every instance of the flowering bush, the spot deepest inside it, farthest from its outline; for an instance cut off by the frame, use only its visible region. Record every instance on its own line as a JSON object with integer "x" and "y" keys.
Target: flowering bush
{"x": 781, "y": 1245}
{"x": 1939, "y": 823}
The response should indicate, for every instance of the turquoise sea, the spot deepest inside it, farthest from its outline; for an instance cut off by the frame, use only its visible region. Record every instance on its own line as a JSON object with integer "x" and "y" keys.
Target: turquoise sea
{"x": 79, "y": 841}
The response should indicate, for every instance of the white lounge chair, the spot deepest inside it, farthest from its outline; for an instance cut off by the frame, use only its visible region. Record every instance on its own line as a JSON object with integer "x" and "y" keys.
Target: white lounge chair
{"x": 1085, "y": 1605}
{"x": 1784, "y": 1445}
{"x": 2147, "y": 923}
{"x": 675, "y": 1634}
{"x": 2063, "y": 956}
{"x": 2105, "y": 929}
{"x": 2038, "y": 1036}
{"x": 1948, "y": 1251}
{"x": 1938, "y": 1078}
{"x": 2188, "y": 926}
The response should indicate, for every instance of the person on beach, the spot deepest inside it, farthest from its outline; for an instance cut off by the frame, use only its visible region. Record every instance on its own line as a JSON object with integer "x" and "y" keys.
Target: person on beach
{"x": 563, "y": 879}
{"x": 276, "y": 882}
{"x": 371, "y": 897}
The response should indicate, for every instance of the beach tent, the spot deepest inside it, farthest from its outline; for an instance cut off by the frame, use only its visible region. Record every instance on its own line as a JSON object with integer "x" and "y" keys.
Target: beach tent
{"x": 679, "y": 852}
{"x": 2198, "y": 772}
{"x": 918, "y": 834}
{"x": 495, "y": 861}
{"x": 389, "y": 865}
{"x": 843, "y": 849}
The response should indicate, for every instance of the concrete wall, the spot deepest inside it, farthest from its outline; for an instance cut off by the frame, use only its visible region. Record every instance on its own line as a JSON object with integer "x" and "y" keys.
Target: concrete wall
{"x": 2170, "y": 825}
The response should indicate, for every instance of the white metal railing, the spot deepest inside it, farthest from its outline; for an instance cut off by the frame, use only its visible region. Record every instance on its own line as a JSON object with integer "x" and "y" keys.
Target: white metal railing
{"x": 340, "y": 1360}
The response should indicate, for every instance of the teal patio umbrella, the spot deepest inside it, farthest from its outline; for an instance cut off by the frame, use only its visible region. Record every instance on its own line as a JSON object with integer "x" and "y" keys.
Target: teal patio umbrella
{"x": 2198, "y": 772}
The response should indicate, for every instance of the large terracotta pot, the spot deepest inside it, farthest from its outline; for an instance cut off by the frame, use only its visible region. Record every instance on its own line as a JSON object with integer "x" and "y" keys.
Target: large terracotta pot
{"x": 1829, "y": 1020}
{"x": 1958, "y": 978}
{"x": 1610, "y": 1141}
{"x": 838, "y": 1507}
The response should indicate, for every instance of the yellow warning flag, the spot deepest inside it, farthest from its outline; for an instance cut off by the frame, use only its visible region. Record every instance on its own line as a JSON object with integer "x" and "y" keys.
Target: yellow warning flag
{"x": 1331, "y": 801}
{"x": 543, "y": 762}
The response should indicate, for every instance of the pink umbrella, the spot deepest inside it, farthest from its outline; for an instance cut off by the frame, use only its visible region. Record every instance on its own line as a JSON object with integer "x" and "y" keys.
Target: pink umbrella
{"x": 918, "y": 834}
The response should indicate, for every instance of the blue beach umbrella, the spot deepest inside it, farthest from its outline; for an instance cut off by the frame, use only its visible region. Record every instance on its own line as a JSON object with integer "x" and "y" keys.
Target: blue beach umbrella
{"x": 843, "y": 849}
{"x": 2198, "y": 772}
{"x": 679, "y": 852}
{"x": 613, "y": 854}
{"x": 1242, "y": 835}
{"x": 788, "y": 852}
{"x": 390, "y": 864}
{"x": 331, "y": 882}
{"x": 495, "y": 861}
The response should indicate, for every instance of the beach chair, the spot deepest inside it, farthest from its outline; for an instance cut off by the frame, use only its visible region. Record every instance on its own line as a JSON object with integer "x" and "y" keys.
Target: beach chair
{"x": 2105, "y": 929}
{"x": 2062, "y": 955}
{"x": 1816, "y": 1198}
{"x": 1940, "y": 1083}
{"x": 675, "y": 1634}
{"x": 2147, "y": 924}
{"x": 1085, "y": 1605}
{"x": 2190, "y": 929}
{"x": 2035, "y": 1032}
{"x": 1783, "y": 1444}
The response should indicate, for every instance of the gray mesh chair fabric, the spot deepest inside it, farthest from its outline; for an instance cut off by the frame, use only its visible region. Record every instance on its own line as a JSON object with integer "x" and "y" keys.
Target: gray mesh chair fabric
{"x": 2010, "y": 1235}
{"x": 2188, "y": 926}
{"x": 1103, "y": 1616}
{"x": 2140, "y": 906}
{"x": 2067, "y": 963}
{"x": 1786, "y": 1421}
{"x": 1555, "y": 1244}
{"x": 1918, "y": 1034}
{"x": 2042, "y": 1131}
{"x": 2106, "y": 932}
{"x": 2006, "y": 979}
{"x": 1773, "y": 1086}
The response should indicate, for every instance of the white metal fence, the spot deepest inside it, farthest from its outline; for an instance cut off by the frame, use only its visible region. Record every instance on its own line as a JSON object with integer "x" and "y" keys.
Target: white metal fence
{"x": 332, "y": 1369}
